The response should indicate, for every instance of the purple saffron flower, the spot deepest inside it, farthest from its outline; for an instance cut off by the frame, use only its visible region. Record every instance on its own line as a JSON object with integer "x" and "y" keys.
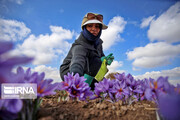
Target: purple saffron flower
{"x": 79, "y": 83}
{"x": 44, "y": 86}
{"x": 26, "y": 76}
{"x": 131, "y": 83}
{"x": 140, "y": 90}
{"x": 87, "y": 93}
{"x": 121, "y": 90}
{"x": 10, "y": 107}
{"x": 129, "y": 80}
{"x": 170, "y": 111}
{"x": 8, "y": 62}
{"x": 66, "y": 84}
{"x": 155, "y": 87}
{"x": 169, "y": 105}
{"x": 120, "y": 77}
{"x": 76, "y": 86}
{"x": 102, "y": 88}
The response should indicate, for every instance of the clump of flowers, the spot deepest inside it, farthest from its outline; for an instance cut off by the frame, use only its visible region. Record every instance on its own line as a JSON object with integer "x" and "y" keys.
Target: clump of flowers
{"x": 165, "y": 95}
{"x": 76, "y": 87}
{"x": 155, "y": 87}
{"x": 127, "y": 89}
{"x": 102, "y": 89}
{"x": 9, "y": 107}
{"x": 44, "y": 87}
{"x": 123, "y": 87}
{"x": 21, "y": 108}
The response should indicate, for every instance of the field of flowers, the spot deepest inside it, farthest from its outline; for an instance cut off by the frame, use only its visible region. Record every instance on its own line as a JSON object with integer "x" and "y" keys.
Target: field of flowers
{"x": 122, "y": 90}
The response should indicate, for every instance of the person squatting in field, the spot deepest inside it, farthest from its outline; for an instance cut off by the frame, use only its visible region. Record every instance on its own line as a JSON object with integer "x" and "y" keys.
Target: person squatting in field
{"x": 86, "y": 56}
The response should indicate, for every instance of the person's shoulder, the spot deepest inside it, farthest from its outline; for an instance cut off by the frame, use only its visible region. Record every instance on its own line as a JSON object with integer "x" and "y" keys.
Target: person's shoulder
{"x": 79, "y": 50}
{"x": 79, "y": 47}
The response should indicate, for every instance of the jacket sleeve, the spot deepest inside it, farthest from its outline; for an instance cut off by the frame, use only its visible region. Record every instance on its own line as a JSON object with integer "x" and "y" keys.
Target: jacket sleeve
{"x": 78, "y": 61}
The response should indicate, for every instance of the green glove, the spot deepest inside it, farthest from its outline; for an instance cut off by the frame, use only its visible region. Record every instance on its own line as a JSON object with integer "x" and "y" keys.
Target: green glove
{"x": 89, "y": 79}
{"x": 102, "y": 71}
{"x": 109, "y": 59}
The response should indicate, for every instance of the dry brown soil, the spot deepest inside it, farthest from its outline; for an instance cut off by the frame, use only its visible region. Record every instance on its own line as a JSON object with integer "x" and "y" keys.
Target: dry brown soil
{"x": 51, "y": 109}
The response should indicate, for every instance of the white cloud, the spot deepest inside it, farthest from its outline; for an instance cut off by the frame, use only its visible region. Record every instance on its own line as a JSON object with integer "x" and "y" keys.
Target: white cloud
{"x": 146, "y": 21}
{"x": 12, "y": 30}
{"x": 153, "y": 54}
{"x": 45, "y": 48}
{"x": 112, "y": 35}
{"x": 173, "y": 75}
{"x": 166, "y": 27}
{"x": 114, "y": 67}
{"x": 50, "y": 73}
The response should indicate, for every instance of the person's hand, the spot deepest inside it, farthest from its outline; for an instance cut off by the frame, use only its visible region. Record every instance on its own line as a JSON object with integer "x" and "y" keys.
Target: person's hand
{"x": 109, "y": 59}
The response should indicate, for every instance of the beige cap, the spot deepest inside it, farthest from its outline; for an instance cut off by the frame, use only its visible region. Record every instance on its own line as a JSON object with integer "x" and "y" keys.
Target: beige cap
{"x": 86, "y": 21}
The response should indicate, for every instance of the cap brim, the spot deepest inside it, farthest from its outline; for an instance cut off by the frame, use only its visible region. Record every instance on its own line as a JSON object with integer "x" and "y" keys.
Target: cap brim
{"x": 96, "y": 21}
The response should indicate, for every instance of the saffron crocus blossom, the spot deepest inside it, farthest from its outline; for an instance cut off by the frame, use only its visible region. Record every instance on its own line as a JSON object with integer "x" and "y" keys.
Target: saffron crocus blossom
{"x": 169, "y": 103}
{"x": 121, "y": 90}
{"x": 155, "y": 87}
{"x": 11, "y": 107}
{"x": 120, "y": 77}
{"x": 87, "y": 93}
{"x": 44, "y": 86}
{"x": 101, "y": 88}
{"x": 140, "y": 90}
{"x": 8, "y": 62}
{"x": 132, "y": 84}
{"x": 76, "y": 86}
{"x": 26, "y": 76}
{"x": 105, "y": 88}
{"x": 137, "y": 90}
{"x": 66, "y": 84}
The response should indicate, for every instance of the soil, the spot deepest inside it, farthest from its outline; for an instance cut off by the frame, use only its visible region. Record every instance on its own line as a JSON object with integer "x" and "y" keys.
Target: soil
{"x": 52, "y": 109}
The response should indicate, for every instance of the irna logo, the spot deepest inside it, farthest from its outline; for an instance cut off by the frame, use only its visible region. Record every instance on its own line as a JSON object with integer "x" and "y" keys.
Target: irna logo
{"x": 18, "y": 91}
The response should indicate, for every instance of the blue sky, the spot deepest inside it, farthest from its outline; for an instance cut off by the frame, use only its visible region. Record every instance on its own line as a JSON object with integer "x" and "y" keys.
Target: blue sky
{"x": 143, "y": 35}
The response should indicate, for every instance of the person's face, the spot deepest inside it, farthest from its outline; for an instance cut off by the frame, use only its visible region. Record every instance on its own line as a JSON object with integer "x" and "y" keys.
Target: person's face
{"x": 93, "y": 28}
